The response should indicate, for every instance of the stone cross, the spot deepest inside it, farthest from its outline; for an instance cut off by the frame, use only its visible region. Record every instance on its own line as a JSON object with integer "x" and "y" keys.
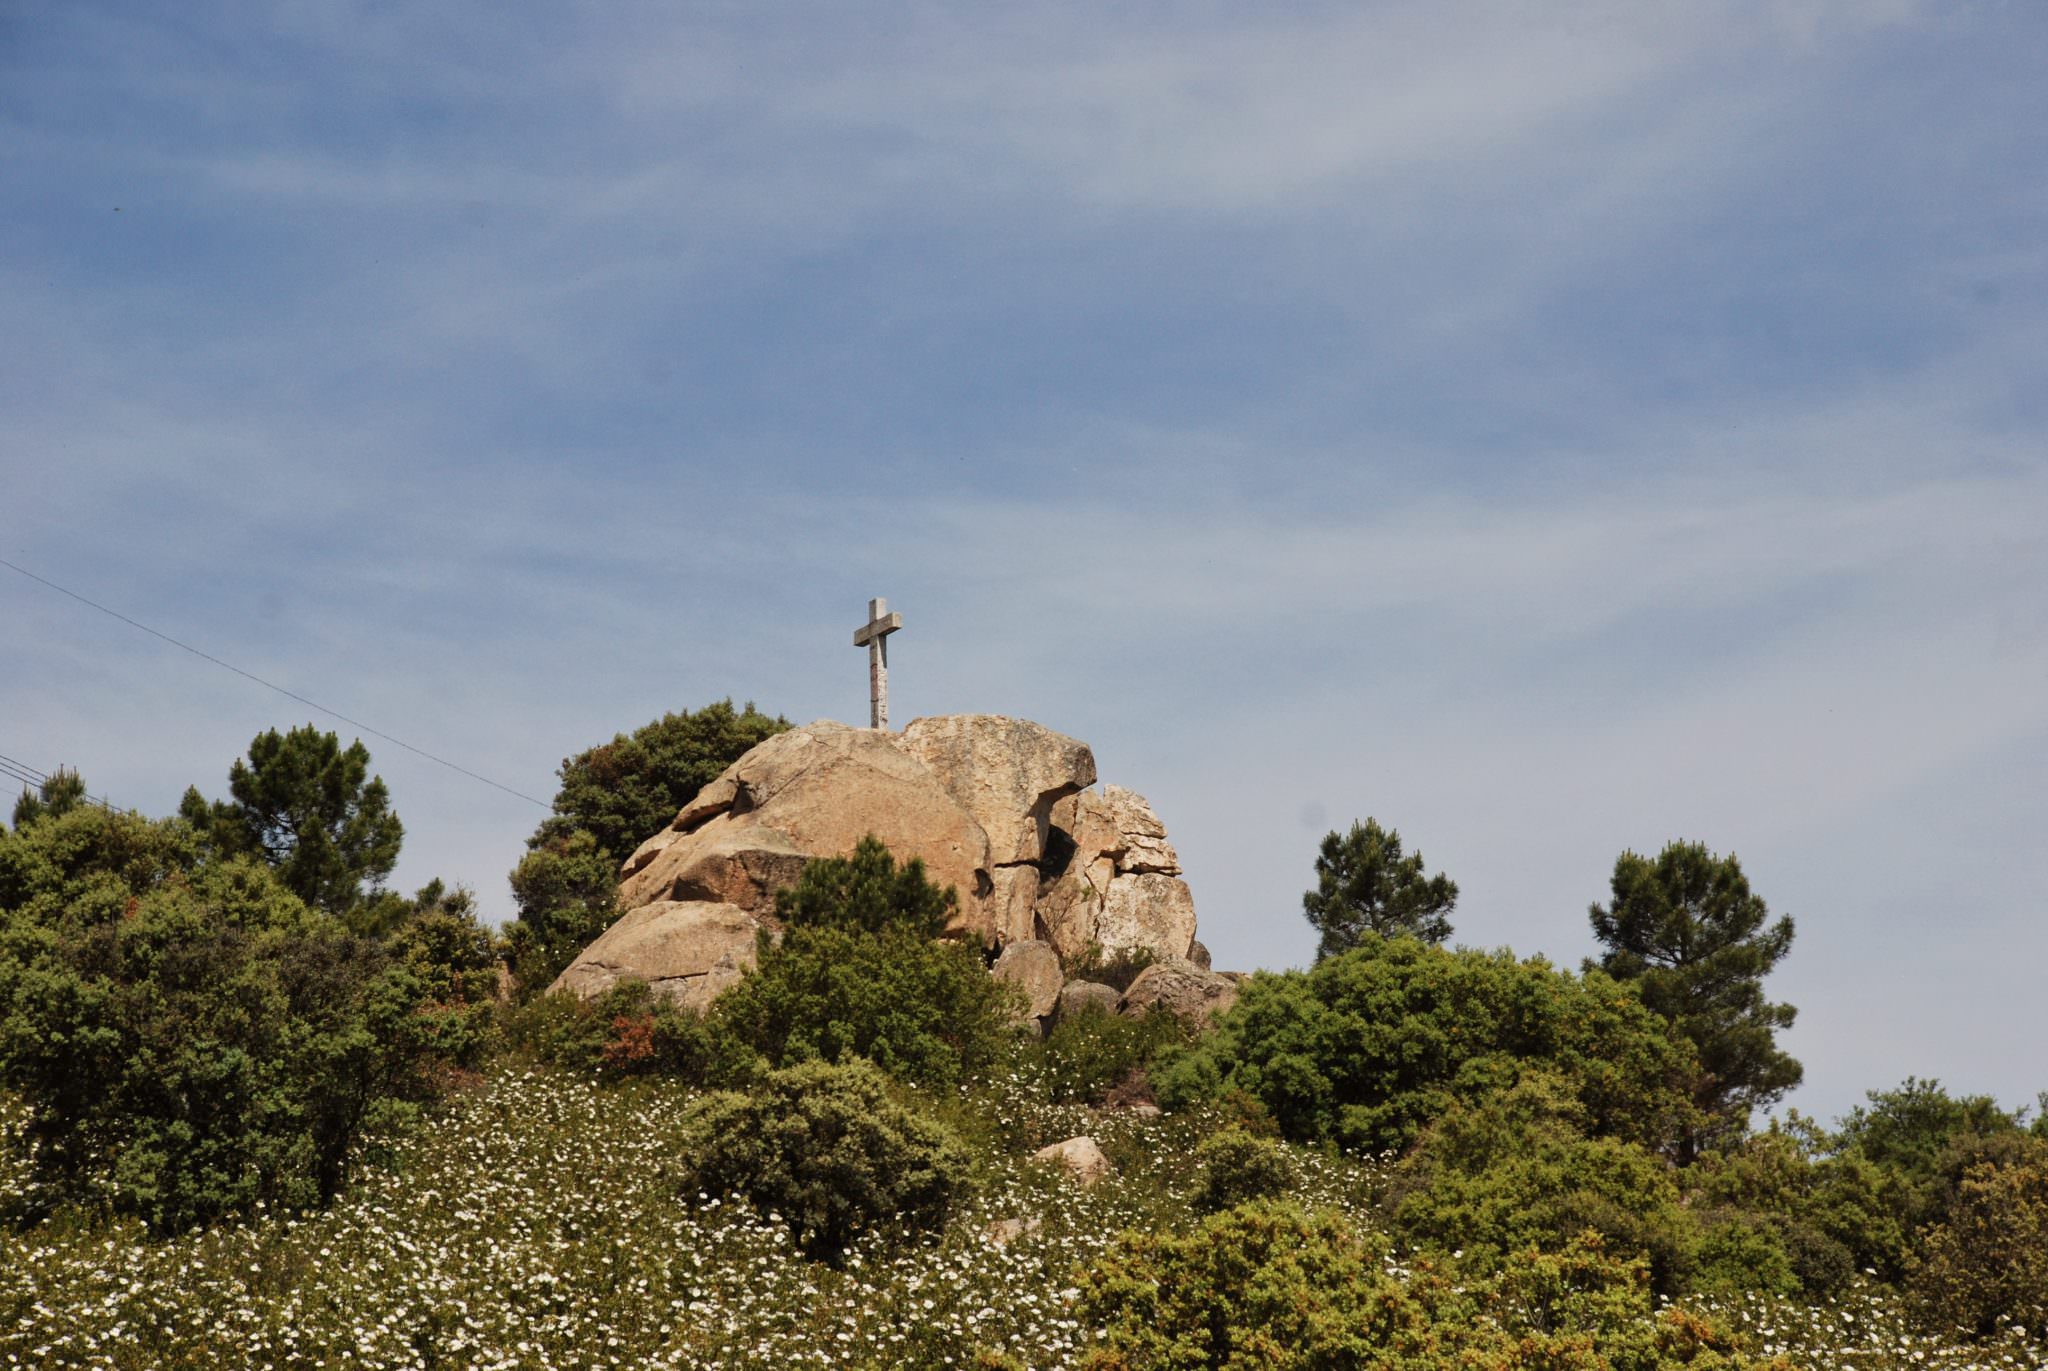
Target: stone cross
{"x": 874, "y": 636}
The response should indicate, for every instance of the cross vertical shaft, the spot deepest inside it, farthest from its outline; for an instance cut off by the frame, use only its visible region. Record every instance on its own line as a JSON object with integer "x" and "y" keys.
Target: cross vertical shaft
{"x": 874, "y": 636}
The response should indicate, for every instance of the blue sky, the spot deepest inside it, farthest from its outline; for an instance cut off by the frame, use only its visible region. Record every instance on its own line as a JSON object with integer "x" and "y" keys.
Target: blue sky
{"x": 1551, "y": 429}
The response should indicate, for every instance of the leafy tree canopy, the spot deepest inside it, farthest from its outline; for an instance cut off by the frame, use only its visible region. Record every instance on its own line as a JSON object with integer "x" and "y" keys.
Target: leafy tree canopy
{"x": 1368, "y": 1046}
{"x": 1364, "y": 884}
{"x": 1686, "y": 929}
{"x": 310, "y": 808}
{"x": 1908, "y": 1129}
{"x": 567, "y": 893}
{"x": 190, "y": 1037}
{"x": 624, "y": 791}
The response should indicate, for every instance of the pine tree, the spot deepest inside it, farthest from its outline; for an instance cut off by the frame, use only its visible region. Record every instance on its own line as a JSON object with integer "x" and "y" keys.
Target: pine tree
{"x": 310, "y": 808}
{"x": 1687, "y": 929}
{"x": 1365, "y": 885}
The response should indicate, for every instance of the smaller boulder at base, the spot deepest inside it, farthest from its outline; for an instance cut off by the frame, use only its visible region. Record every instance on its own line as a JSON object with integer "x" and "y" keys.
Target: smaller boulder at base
{"x": 1034, "y": 968}
{"x": 1181, "y": 988}
{"x": 1088, "y": 997}
{"x": 1080, "y": 1156}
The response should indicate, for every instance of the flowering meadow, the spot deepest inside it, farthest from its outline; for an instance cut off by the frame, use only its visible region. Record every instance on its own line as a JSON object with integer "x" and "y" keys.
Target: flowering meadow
{"x": 537, "y": 1220}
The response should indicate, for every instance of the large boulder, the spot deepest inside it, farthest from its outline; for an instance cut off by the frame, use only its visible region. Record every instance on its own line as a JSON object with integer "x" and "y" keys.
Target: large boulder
{"x": 1120, "y": 888}
{"x": 685, "y": 950}
{"x": 1000, "y": 809}
{"x": 1088, "y": 997}
{"x": 1009, "y": 773}
{"x": 812, "y": 792}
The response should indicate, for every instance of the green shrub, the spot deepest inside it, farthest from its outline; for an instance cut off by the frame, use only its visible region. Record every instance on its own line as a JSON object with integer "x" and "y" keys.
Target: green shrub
{"x": 826, "y": 1147}
{"x": 1368, "y": 1047}
{"x": 190, "y": 1038}
{"x": 630, "y": 1031}
{"x": 1238, "y": 1166}
{"x": 1515, "y": 1170}
{"x": 1986, "y": 1263}
{"x": 1088, "y": 1055}
{"x": 1796, "y": 1200}
{"x": 1735, "y": 1250}
{"x": 456, "y": 962}
{"x": 1268, "y": 1285}
{"x": 923, "y": 1010}
{"x": 867, "y": 893}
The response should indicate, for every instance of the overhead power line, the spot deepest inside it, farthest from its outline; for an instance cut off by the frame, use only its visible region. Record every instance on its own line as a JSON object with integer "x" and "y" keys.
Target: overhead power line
{"x": 269, "y": 685}
{"x": 35, "y": 780}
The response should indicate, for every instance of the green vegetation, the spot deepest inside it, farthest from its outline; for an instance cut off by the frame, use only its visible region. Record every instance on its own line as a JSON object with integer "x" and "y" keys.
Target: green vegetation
{"x": 612, "y": 798}
{"x": 239, "y": 1127}
{"x": 1364, "y": 885}
{"x": 861, "y": 972}
{"x": 1368, "y": 1047}
{"x": 867, "y": 893}
{"x": 1269, "y": 1285}
{"x": 310, "y": 808}
{"x": 1521, "y": 1168}
{"x": 829, "y": 1150}
{"x": 192, "y": 1040}
{"x": 1239, "y": 1166}
{"x": 1094, "y": 1055}
{"x": 566, "y": 892}
{"x": 1685, "y": 928}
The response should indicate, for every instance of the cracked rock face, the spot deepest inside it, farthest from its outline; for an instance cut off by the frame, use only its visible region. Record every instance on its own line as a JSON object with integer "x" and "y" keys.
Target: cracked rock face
{"x": 1000, "y": 809}
{"x": 686, "y": 950}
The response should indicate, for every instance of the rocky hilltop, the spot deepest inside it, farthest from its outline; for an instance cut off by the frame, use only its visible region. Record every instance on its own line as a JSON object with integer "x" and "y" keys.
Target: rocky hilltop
{"x": 1003, "y": 810}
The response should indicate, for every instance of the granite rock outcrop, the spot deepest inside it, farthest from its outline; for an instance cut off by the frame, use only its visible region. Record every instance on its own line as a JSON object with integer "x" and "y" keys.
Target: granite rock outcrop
{"x": 1003, "y": 810}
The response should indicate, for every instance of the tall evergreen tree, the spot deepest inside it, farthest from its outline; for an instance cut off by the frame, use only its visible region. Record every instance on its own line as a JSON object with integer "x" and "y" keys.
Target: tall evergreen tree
{"x": 1364, "y": 884}
{"x": 310, "y": 808}
{"x": 1687, "y": 929}
{"x": 57, "y": 795}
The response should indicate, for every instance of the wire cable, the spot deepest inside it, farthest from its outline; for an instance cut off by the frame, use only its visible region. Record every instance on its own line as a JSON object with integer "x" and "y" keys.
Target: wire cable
{"x": 268, "y": 685}
{"x": 35, "y": 779}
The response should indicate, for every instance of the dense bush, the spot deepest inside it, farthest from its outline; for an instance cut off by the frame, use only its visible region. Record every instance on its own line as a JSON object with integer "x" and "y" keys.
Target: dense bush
{"x": 631, "y": 1031}
{"x": 1368, "y": 1047}
{"x": 1821, "y": 1214}
{"x": 1091, "y": 1055}
{"x": 1515, "y": 1170}
{"x": 867, "y": 893}
{"x": 456, "y": 962}
{"x": 191, "y": 1038}
{"x": 1986, "y": 1263}
{"x": 1238, "y": 1166}
{"x": 923, "y": 1010}
{"x": 828, "y": 1149}
{"x": 1267, "y": 1285}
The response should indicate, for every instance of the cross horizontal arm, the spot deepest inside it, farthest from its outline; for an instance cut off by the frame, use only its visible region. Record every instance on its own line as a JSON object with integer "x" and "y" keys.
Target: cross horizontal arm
{"x": 879, "y": 628}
